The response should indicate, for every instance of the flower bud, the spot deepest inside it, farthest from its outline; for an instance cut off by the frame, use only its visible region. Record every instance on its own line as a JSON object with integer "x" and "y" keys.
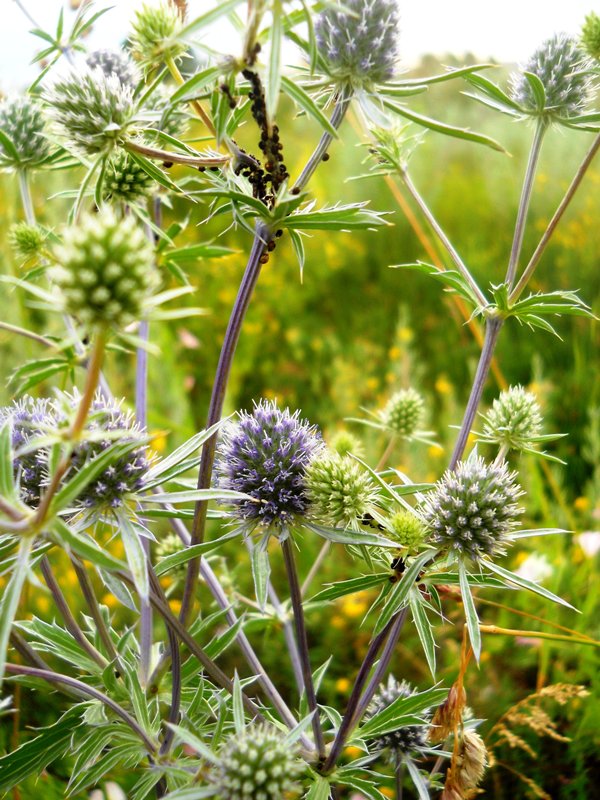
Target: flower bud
{"x": 340, "y": 491}
{"x": 168, "y": 546}
{"x": 407, "y": 529}
{"x": 26, "y": 240}
{"x": 345, "y": 443}
{"x": 515, "y": 419}
{"x": 404, "y": 740}
{"x": 154, "y": 35}
{"x": 106, "y": 270}
{"x": 404, "y": 412}
{"x": 590, "y": 36}
{"x": 125, "y": 180}
{"x": 256, "y": 765}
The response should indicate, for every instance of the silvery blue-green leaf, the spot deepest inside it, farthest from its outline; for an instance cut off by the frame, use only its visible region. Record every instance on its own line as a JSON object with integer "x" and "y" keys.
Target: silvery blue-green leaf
{"x": 11, "y": 595}
{"x": 34, "y": 755}
{"x": 238, "y": 706}
{"x": 307, "y": 104}
{"x": 294, "y": 735}
{"x": 198, "y": 793}
{"x": 398, "y": 597}
{"x": 144, "y": 786}
{"x": 526, "y": 584}
{"x": 319, "y": 790}
{"x": 441, "y": 127}
{"x": 403, "y": 711}
{"x": 168, "y": 563}
{"x": 451, "y": 278}
{"x": 194, "y": 742}
{"x": 298, "y": 246}
{"x": 222, "y": 641}
{"x": 155, "y": 172}
{"x": 470, "y": 611}
{"x": 7, "y": 483}
{"x": 197, "y": 251}
{"x": 192, "y": 445}
{"x": 424, "y": 628}
{"x": 526, "y": 534}
{"x": 348, "y": 536}
{"x": 83, "y": 545}
{"x": 350, "y": 587}
{"x": 367, "y": 790}
{"x": 273, "y": 75}
{"x": 477, "y": 579}
{"x": 355, "y": 216}
{"x": 194, "y": 86}
{"x": 222, "y": 8}
{"x": 261, "y": 571}
{"x": 495, "y": 93}
{"x": 118, "y": 589}
{"x": 136, "y": 555}
{"x": 418, "y": 780}
{"x": 537, "y": 89}
{"x": 197, "y": 495}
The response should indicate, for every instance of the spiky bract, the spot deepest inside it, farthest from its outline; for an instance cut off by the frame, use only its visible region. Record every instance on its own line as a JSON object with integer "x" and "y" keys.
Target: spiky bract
{"x": 22, "y": 122}
{"x": 30, "y": 418}
{"x": 256, "y": 765}
{"x": 564, "y": 72}
{"x": 404, "y": 412}
{"x": 106, "y": 270}
{"x": 473, "y": 509}
{"x": 92, "y": 111}
{"x": 340, "y": 490}
{"x": 264, "y": 454}
{"x": 345, "y": 443}
{"x": 115, "y": 62}
{"x": 514, "y": 420}
{"x": 407, "y": 739}
{"x": 361, "y": 49}
{"x": 154, "y": 34}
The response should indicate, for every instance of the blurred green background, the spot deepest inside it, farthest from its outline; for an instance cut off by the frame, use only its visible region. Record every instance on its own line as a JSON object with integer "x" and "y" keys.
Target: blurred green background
{"x": 347, "y": 336}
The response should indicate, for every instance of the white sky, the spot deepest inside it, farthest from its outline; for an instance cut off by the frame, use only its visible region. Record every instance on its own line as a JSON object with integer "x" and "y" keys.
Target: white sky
{"x": 507, "y": 31}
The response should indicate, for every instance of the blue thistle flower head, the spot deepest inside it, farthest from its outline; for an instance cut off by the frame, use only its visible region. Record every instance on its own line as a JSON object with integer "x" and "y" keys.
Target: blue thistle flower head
{"x": 361, "y": 49}
{"x": 125, "y": 475}
{"x": 29, "y": 418}
{"x": 408, "y": 738}
{"x": 565, "y": 72}
{"x": 264, "y": 454}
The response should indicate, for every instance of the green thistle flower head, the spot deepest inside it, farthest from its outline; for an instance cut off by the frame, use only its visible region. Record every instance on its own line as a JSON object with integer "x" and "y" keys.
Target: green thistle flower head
{"x": 564, "y": 71}
{"x": 256, "y": 765}
{"x": 154, "y": 35}
{"x": 514, "y": 421}
{"x": 125, "y": 180}
{"x": 590, "y": 36}
{"x": 115, "y": 62}
{"x": 404, "y": 412}
{"x": 168, "y": 546}
{"x": 473, "y": 509}
{"x": 362, "y": 48}
{"x": 340, "y": 491}
{"x": 344, "y": 443}
{"x": 106, "y": 270}
{"x": 27, "y": 240}
{"x": 22, "y": 122}
{"x": 92, "y": 111}
{"x": 407, "y": 529}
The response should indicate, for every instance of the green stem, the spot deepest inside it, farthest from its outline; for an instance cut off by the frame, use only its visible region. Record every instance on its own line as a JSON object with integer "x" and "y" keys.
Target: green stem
{"x": 564, "y": 203}
{"x": 526, "y": 191}
{"x": 437, "y": 229}
{"x": 26, "y": 200}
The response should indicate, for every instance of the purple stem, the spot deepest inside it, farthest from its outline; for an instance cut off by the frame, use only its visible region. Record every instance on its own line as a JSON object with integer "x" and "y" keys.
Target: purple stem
{"x": 262, "y": 236}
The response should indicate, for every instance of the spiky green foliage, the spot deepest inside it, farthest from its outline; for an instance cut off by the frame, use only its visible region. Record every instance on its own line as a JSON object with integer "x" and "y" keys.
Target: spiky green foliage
{"x": 590, "y": 35}
{"x": 26, "y": 240}
{"x": 407, "y": 739}
{"x": 125, "y": 180}
{"x": 105, "y": 271}
{"x": 407, "y": 529}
